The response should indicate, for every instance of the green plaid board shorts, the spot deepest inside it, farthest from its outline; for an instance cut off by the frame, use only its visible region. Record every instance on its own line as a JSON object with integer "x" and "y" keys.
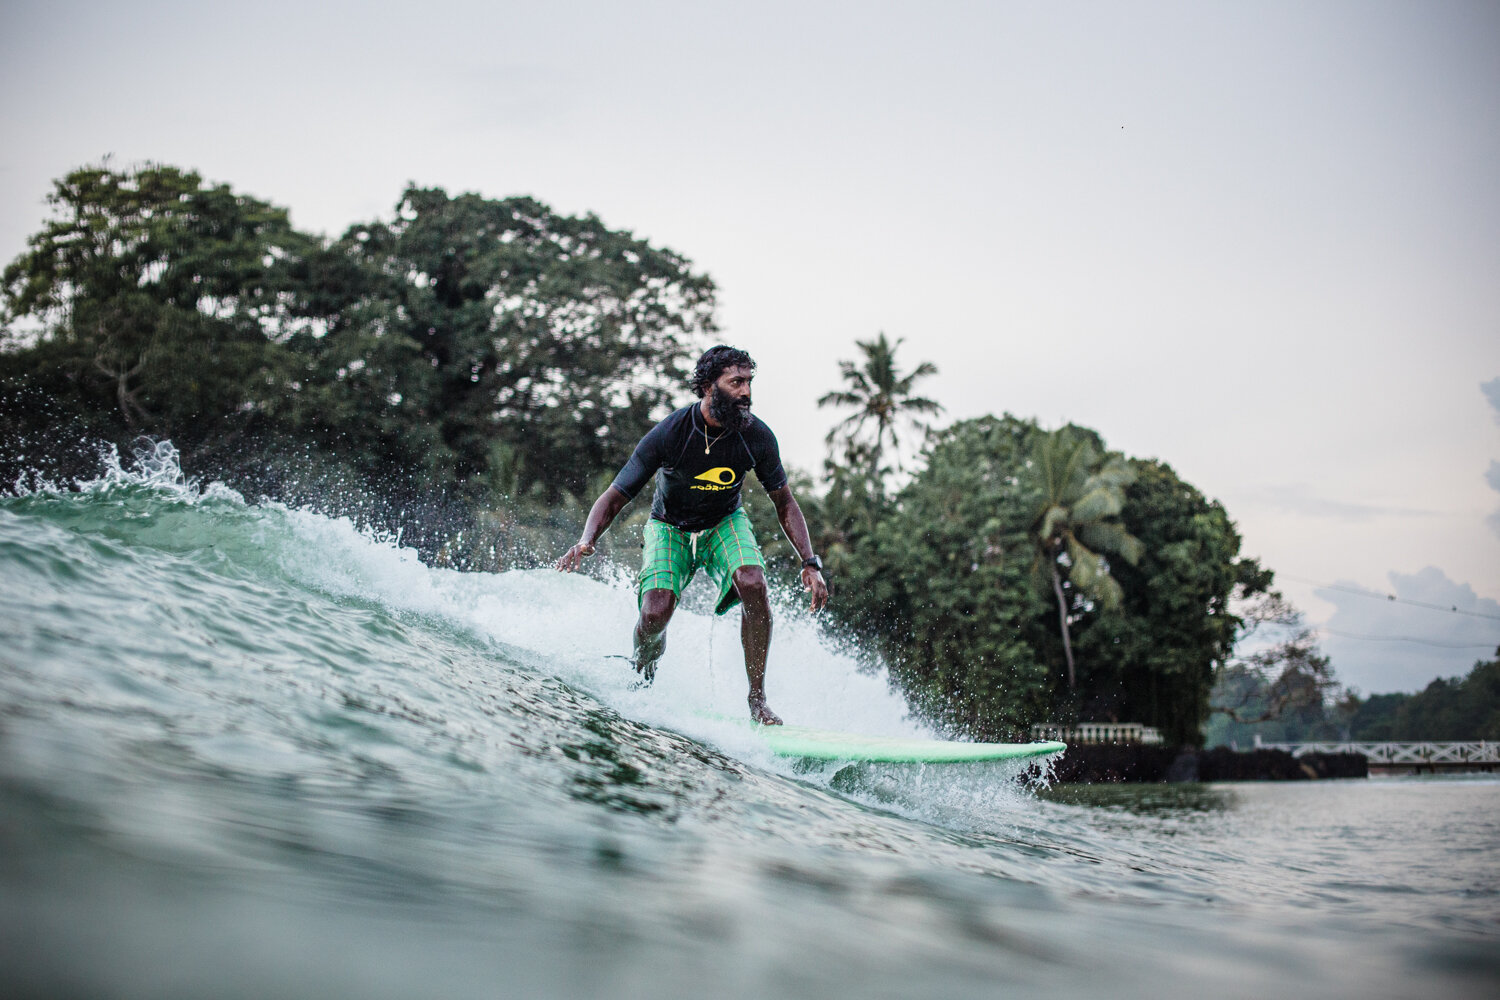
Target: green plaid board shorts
{"x": 670, "y": 557}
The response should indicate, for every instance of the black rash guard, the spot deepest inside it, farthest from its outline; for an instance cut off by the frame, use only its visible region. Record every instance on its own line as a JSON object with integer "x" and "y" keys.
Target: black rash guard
{"x": 695, "y": 491}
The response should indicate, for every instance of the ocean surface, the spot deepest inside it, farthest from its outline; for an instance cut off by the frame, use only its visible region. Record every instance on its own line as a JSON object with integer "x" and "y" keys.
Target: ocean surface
{"x": 249, "y": 751}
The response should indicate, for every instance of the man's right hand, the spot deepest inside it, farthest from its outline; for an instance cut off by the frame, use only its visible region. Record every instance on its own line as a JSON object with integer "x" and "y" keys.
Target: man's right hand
{"x": 573, "y": 558}
{"x": 610, "y": 503}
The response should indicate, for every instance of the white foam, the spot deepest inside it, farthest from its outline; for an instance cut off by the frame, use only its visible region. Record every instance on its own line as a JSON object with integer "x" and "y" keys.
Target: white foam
{"x": 576, "y": 627}
{"x": 579, "y": 627}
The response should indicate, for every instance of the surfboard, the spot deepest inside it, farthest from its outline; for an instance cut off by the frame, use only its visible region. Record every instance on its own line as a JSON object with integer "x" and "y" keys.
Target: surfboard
{"x": 824, "y": 744}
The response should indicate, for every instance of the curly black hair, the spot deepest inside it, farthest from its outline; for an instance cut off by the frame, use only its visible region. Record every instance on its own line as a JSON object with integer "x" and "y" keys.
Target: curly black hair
{"x": 713, "y": 363}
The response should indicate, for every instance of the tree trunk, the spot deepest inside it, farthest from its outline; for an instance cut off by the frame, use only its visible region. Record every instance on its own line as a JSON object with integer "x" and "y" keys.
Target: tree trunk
{"x": 1062, "y": 618}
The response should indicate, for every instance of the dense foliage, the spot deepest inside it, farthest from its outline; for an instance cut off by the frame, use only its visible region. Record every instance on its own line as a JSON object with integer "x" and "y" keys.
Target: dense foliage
{"x": 1157, "y": 652}
{"x": 935, "y": 581}
{"x": 538, "y": 347}
{"x": 160, "y": 302}
{"x": 1076, "y": 526}
{"x": 960, "y": 578}
{"x": 1447, "y": 709}
{"x": 421, "y": 367}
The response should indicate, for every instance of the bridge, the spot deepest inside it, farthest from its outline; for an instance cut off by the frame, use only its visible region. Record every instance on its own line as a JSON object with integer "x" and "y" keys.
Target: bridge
{"x": 1429, "y": 756}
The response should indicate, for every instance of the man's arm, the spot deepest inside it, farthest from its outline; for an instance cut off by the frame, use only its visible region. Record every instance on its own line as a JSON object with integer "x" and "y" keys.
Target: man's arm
{"x": 601, "y": 515}
{"x": 644, "y": 461}
{"x": 795, "y": 526}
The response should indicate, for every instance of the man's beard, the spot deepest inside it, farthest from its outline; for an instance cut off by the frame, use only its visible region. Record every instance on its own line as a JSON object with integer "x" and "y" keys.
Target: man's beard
{"x": 727, "y": 413}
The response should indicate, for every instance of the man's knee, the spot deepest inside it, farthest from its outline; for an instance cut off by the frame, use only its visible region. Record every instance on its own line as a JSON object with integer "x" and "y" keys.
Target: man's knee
{"x": 656, "y": 609}
{"x": 750, "y": 584}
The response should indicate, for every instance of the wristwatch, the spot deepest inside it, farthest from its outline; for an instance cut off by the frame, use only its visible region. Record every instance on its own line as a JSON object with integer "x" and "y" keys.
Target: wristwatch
{"x": 814, "y": 562}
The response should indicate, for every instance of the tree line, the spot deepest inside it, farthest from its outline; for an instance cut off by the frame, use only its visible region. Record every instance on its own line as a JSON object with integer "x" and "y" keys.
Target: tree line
{"x": 466, "y": 348}
{"x": 470, "y": 372}
{"x": 1449, "y": 708}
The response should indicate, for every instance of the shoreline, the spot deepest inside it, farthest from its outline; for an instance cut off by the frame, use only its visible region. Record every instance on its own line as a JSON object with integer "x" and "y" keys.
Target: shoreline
{"x": 1116, "y": 763}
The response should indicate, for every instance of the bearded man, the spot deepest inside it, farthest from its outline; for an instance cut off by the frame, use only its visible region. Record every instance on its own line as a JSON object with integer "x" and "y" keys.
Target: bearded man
{"x": 700, "y": 456}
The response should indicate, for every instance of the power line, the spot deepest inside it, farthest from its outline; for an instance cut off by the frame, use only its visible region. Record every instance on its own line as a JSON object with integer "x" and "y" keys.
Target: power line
{"x": 1392, "y": 598}
{"x": 1405, "y": 638}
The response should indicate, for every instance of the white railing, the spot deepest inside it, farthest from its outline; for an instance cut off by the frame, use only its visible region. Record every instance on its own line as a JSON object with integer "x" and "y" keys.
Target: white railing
{"x": 1422, "y": 753}
{"x": 1096, "y": 732}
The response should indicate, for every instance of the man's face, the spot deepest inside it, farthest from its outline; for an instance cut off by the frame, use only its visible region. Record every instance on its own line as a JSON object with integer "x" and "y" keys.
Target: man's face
{"x": 729, "y": 403}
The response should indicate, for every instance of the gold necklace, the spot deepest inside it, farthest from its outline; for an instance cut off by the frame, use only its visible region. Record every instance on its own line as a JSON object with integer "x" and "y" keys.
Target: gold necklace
{"x": 707, "y": 444}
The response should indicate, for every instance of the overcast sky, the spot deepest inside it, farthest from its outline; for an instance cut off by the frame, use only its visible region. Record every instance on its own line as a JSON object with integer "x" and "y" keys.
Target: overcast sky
{"x": 1259, "y": 241}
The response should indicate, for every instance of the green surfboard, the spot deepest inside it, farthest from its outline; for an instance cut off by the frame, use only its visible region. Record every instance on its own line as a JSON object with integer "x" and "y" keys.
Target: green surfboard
{"x": 823, "y": 744}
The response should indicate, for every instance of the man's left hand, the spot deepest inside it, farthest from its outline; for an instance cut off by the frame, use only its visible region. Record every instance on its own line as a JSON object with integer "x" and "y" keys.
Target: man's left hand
{"x": 813, "y": 581}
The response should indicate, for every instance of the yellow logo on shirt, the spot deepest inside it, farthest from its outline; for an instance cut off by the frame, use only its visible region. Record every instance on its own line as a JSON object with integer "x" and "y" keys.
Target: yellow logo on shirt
{"x": 721, "y": 478}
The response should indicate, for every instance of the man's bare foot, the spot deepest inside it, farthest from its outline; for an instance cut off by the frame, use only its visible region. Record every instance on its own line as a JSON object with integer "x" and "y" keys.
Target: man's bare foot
{"x": 761, "y": 713}
{"x": 647, "y": 656}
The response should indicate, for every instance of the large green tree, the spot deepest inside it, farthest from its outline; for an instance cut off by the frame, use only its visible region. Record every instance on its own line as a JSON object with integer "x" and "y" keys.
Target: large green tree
{"x": 158, "y": 298}
{"x": 408, "y": 373}
{"x": 947, "y": 580}
{"x": 1155, "y": 656}
{"x": 550, "y": 342}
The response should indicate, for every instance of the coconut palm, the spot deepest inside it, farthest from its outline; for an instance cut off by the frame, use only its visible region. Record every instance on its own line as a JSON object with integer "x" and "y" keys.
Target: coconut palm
{"x": 882, "y": 399}
{"x": 1076, "y": 524}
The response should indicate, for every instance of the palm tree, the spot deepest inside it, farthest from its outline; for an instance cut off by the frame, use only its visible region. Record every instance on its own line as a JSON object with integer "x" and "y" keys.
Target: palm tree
{"x": 1075, "y": 527}
{"x": 882, "y": 399}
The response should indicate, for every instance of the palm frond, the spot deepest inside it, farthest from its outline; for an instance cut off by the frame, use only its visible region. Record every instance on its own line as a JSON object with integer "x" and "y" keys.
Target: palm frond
{"x": 1111, "y": 537}
{"x": 1098, "y": 503}
{"x": 839, "y": 398}
{"x": 1089, "y": 574}
{"x": 921, "y": 404}
{"x": 1052, "y": 518}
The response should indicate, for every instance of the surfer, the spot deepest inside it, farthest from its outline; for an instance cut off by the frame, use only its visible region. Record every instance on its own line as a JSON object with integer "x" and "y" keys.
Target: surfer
{"x": 700, "y": 456}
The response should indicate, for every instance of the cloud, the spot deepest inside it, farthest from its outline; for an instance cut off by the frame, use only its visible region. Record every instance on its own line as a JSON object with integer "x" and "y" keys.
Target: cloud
{"x": 1436, "y": 627}
{"x": 1299, "y": 499}
{"x": 1491, "y": 390}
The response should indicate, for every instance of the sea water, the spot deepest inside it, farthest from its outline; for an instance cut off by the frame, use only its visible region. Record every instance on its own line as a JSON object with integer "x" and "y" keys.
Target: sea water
{"x": 251, "y": 751}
